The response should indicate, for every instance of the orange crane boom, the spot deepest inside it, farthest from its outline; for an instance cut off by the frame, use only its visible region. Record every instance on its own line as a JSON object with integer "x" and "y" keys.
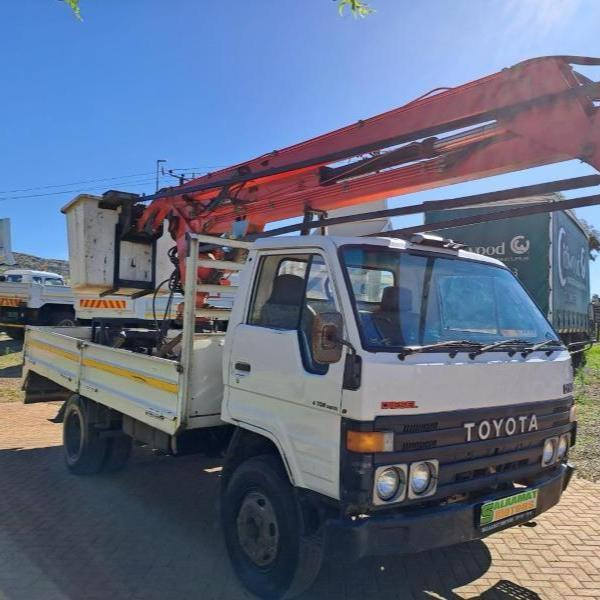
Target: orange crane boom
{"x": 538, "y": 112}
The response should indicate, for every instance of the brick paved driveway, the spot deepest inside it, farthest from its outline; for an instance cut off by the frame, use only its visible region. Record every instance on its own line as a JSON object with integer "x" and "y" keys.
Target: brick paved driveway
{"x": 152, "y": 532}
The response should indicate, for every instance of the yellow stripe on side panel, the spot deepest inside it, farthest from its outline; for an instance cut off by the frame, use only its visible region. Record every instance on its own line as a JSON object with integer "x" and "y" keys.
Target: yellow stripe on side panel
{"x": 52, "y": 349}
{"x": 107, "y": 368}
{"x": 146, "y": 379}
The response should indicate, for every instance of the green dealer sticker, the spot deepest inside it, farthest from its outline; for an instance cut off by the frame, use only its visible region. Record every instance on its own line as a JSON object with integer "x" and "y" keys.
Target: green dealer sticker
{"x": 506, "y": 510}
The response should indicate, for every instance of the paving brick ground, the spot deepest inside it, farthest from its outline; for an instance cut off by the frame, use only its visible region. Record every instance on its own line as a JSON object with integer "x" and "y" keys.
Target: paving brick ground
{"x": 151, "y": 532}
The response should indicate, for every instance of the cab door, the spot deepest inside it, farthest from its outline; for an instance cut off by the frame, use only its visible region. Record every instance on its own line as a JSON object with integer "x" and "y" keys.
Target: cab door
{"x": 274, "y": 383}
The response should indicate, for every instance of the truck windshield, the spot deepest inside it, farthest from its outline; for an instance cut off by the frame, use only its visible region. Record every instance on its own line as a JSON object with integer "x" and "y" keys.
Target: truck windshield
{"x": 404, "y": 299}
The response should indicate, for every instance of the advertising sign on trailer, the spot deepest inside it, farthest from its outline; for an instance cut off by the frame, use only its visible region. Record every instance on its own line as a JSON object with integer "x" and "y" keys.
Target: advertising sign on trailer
{"x": 570, "y": 274}
{"x": 548, "y": 252}
{"x": 6, "y": 257}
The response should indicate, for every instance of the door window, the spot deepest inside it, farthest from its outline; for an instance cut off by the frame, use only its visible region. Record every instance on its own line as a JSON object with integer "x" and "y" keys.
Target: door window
{"x": 290, "y": 292}
{"x": 53, "y": 281}
{"x": 279, "y": 292}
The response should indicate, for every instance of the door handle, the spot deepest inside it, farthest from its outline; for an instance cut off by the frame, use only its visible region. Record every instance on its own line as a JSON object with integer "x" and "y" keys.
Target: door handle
{"x": 244, "y": 367}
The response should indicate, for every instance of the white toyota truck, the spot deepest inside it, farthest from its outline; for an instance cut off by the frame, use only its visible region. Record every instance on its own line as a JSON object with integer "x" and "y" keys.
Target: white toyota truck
{"x": 371, "y": 396}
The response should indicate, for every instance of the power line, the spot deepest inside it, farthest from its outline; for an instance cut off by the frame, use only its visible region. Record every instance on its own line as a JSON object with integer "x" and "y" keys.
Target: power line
{"x": 200, "y": 168}
{"x": 45, "y": 187}
{"x": 57, "y": 185}
{"x": 72, "y": 191}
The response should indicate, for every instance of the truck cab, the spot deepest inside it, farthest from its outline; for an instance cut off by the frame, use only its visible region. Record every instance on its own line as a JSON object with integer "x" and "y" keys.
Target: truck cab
{"x": 438, "y": 349}
{"x": 414, "y": 392}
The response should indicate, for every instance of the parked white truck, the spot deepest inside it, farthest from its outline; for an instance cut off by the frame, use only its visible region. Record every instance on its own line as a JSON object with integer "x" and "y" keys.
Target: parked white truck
{"x": 30, "y": 297}
{"x": 372, "y": 396}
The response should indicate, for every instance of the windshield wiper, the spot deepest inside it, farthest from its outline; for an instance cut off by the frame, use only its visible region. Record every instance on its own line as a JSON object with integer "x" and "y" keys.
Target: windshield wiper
{"x": 455, "y": 345}
{"x": 541, "y": 345}
{"x": 499, "y": 344}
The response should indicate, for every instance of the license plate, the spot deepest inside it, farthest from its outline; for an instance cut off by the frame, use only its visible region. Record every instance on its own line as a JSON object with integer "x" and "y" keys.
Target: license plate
{"x": 505, "y": 511}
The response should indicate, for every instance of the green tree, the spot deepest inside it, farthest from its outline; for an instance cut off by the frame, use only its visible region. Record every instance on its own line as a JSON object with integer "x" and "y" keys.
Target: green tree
{"x": 359, "y": 8}
{"x": 74, "y": 4}
{"x": 594, "y": 238}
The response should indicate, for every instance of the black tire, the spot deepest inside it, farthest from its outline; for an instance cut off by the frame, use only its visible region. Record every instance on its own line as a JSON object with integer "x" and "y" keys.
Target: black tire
{"x": 62, "y": 318}
{"x": 118, "y": 453}
{"x": 278, "y": 562}
{"x": 84, "y": 450}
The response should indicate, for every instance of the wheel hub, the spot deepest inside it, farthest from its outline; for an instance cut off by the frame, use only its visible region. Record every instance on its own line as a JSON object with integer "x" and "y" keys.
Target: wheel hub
{"x": 257, "y": 528}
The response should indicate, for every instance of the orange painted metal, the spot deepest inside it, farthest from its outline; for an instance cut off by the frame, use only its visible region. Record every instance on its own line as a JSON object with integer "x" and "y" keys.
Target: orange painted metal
{"x": 12, "y": 301}
{"x": 538, "y": 112}
{"x": 102, "y": 304}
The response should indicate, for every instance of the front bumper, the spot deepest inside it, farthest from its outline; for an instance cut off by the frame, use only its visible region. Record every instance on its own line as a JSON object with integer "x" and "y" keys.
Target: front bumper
{"x": 420, "y": 529}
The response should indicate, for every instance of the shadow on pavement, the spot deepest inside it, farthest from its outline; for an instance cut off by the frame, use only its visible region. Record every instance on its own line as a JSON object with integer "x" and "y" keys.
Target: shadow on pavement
{"x": 11, "y": 372}
{"x": 152, "y": 531}
{"x": 506, "y": 590}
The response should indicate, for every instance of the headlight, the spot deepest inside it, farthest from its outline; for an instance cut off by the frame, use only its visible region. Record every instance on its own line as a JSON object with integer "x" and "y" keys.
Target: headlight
{"x": 420, "y": 478}
{"x": 390, "y": 484}
{"x": 423, "y": 478}
{"x": 387, "y": 484}
{"x": 549, "y": 451}
{"x": 563, "y": 446}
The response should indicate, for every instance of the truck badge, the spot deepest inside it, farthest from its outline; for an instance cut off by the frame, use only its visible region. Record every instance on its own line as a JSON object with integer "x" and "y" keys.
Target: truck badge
{"x": 495, "y": 428}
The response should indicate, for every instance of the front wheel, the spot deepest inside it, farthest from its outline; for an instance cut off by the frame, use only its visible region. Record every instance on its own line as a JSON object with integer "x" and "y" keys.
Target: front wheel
{"x": 263, "y": 527}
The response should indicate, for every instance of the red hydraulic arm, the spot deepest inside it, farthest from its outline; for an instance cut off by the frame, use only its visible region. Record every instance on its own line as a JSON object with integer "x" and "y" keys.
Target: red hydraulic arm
{"x": 538, "y": 112}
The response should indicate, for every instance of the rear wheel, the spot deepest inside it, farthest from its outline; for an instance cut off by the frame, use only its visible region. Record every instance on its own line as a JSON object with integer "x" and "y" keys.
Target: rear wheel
{"x": 84, "y": 450}
{"x": 62, "y": 318}
{"x": 263, "y": 525}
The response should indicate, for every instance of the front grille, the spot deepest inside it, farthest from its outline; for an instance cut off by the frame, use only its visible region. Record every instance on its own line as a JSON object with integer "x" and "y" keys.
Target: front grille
{"x": 419, "y": 445}
{"x": 419, "y": 427}
{"x": 480, "y": 463}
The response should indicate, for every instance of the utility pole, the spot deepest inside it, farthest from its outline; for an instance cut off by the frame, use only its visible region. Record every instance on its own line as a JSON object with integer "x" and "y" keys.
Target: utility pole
{"x": 158, "y": 161}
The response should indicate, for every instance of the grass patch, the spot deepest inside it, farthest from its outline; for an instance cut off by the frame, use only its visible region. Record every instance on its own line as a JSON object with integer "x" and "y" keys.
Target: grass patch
{"x": 586, "y": 453}
{"x": 11, "y": 359}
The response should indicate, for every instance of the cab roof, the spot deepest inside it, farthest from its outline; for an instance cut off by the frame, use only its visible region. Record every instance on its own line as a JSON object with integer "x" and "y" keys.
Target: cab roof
{"x": 32, "y": 273}
{"x": 331, "y": 243}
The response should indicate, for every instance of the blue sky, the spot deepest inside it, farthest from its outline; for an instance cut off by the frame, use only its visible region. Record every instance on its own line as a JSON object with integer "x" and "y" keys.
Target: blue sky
{"x": 203, "y": 84}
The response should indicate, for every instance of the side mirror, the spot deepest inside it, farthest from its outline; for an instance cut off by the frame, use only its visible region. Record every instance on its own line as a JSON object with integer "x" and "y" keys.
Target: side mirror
{"x": 326, "y": 331}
